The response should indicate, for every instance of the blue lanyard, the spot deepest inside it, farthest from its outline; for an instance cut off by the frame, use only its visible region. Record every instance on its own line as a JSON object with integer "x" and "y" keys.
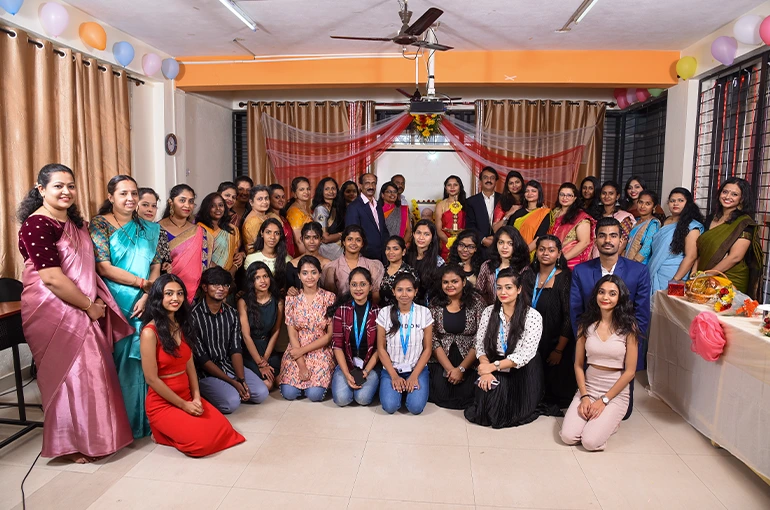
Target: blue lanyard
{"x": 497, "y": 272}
{"x": 405, "y": 338}
{"x": 537, "y": 282}
{"x": 501, "y": 334}
{"x": 358, "y": 335}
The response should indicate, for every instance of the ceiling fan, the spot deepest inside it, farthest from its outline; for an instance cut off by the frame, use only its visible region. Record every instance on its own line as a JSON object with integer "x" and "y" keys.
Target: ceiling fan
{"x": 409, "y": 35}
{"x": 417, "y": 96}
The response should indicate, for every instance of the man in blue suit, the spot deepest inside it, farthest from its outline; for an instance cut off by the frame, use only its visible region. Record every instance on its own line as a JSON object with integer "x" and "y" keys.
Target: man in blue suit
{"x": 365, "y": 212}
{"x": 634, "y": 275}
{"x": 480, "y": 207}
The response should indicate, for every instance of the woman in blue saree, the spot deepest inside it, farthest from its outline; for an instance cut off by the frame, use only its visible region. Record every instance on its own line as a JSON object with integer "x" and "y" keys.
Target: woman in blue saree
{"x": 674, "y": 247}
{"x": 647, "y": 225}
{"x": 127, "y": 259}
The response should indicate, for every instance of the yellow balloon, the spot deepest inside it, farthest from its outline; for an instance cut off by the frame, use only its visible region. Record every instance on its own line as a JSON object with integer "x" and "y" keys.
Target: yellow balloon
{"x": 93, "y": 35}
{"x": 685, "y": 67}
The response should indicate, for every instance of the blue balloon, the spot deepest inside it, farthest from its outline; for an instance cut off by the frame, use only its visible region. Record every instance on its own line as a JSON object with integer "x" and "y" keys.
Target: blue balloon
{"x": 124, "y": 52}
{"x": 170, "y": 68}
{"x": 11, "y": 6}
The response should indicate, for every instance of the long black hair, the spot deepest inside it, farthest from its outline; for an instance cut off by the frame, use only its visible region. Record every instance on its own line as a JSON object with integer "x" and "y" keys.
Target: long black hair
{"x": 347, "y": 297}
{"x": 573, "y": 210}
{"x": 154, "y": 311}
{"x": 517, "y": 323}
{"x": 745, "y": 207}
{"x": 561, "y": 263}
{"x": 204, "y": 214}
{"x": 690, "y": 212}
{"x": 175, "y": 192}
{"x": 106, "y": 207}
{"x": 338, "y": 222}
{"x": 623, "y": 318}
{"x": 461, "y": 197}
{"x": 478, "y": 256}
{"x": 593, "y": 203}
{"x": 395, "y": 323}
{"x": 427, "y": 267}
{"x": 34, "y": 200}
{"x": 520, "y": 255}
{"x": 253, "y": 309}
{"x": 626, "y": 201}
{"x": 280, "y": 250}
{"x": 469, "y": 295}
{"x": 539, "y": 188}
{"x": 508, "y": 199}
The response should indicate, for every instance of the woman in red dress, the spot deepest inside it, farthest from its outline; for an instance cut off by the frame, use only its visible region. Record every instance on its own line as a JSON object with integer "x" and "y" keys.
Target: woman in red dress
{"x": 450, "y": 216}
{"x": 178, "y": 416}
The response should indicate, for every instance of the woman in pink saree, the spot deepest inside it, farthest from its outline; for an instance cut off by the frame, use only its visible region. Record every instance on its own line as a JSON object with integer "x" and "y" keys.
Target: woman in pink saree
{"x": 190, "y": 245}
{"x": 573, "y": 226}
{"x": 70, "y": 322}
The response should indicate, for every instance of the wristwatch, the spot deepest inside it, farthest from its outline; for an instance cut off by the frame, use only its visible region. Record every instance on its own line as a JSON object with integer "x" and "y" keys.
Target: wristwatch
{"x": 605, "y": 399}
{"x": 462, "y": 369}
{"x": 497, "y": 365}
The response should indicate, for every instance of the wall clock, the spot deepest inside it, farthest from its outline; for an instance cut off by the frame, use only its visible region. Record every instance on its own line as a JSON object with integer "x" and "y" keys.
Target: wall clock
{"x": 171, "y": 144}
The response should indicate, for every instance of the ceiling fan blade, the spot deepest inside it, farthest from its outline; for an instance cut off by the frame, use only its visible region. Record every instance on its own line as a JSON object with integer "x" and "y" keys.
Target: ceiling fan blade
{"x": 388, "y": 39}
{"x": 424, "y": 22}
{"x": 432, "y": 46}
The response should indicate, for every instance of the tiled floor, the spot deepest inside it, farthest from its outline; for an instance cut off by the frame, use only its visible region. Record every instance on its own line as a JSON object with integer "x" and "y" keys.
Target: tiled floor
{"x": 315, "y": 456}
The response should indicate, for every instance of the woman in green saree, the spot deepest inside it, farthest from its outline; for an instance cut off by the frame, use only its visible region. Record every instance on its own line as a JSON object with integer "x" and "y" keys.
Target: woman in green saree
{"x": 127, "y": 259}
{"x": 730, "y": 244}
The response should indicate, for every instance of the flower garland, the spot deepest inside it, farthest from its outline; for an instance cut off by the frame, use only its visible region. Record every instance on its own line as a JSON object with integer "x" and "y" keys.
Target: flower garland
{"x": 426, "y": 125}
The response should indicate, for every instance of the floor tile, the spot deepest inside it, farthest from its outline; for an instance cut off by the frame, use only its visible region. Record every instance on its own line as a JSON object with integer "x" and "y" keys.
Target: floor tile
{"x": 541, "y": 434}
{"x": 138, "y": 494}
{"x": 325, "y": 419}
{"x": 10, "y": 483}
{"x": 530, "y": 478}
{"x": 435, "y": 426}
{"x": 222, "y": 468}
{"x": 420, "y": 473}
{"x": 71, "y": 491}
{"x": 630, "y": 481}
{"x": 370, "y": 504}
{"x": 681, "y": 436}
{"x": 645, "y": 402}
{"x": 636, "y": 435}
{"x": 252, "y": 498}
{"x": 736, "y": 486}
{"x": 304, "y": 465}
{"x": 260, "y": 418}
{"x": 125, "y": 459}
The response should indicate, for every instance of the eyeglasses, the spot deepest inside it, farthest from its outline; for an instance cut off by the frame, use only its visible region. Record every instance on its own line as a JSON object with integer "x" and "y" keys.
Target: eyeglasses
{"x": 223, "y": 285}
{"x": 467, "y": 247}
{"x": 390, "y": 192}
{"x": 564, "y": 195}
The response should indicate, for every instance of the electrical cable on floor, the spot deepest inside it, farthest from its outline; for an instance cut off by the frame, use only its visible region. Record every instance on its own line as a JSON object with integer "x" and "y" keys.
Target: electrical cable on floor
{"x": 23, "y": 499}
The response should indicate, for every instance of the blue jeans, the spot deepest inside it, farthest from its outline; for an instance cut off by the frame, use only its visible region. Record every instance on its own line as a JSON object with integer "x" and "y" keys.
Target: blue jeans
{"x": 225, "y": 397}
{"x": 314, "y": 393}
{"x": 415, "y": 401}
{"x": 343, "y": 394}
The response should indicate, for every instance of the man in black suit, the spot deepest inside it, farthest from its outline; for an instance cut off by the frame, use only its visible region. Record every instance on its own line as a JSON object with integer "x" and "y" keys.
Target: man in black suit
{"x": 481, "y": 206}
{"x": 365, "y": 212}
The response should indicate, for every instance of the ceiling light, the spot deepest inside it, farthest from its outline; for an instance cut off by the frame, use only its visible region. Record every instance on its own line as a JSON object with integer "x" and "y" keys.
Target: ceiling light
{"x": 578, "y": 15}
{"x": 233, "y": 7}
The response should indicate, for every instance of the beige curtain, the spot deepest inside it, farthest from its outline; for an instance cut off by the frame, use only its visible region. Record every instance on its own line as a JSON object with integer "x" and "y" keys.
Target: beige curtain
{"x": 56, "y": 107}
{"x": 540, "y": 117}
{"x": 315, "y": 116}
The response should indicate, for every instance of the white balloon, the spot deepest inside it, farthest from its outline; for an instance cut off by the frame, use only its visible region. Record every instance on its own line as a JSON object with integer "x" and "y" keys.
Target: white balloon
{"x": 746, "y": 29}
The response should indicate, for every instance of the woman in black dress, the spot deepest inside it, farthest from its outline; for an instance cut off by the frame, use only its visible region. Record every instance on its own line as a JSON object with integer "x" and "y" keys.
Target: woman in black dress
{"x": 557, "y": 345}
{"x": 456, "y": 311}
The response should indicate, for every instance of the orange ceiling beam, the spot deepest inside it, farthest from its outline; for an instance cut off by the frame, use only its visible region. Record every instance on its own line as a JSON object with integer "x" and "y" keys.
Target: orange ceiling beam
{"x": 453, "y": 68}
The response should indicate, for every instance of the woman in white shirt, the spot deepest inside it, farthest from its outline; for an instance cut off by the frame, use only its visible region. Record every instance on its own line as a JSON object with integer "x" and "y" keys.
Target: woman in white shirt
{"x": 404, "y": 346}
{"x": 510, "y": 383}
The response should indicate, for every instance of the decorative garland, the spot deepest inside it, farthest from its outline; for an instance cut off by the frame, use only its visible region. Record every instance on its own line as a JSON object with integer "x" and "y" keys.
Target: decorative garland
{"x": 426, "y": 125}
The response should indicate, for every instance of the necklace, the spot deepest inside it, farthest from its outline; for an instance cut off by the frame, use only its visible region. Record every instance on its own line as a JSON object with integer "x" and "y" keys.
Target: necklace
{"x": 122, "y": 229}
{"x": 53, "y": 215}
{"x": 76, "y": 244}
{"x": 182, "y": 228}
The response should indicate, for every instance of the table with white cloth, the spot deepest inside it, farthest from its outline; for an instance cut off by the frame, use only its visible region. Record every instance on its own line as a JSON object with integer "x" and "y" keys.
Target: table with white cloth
{"x": 727, "y": 400}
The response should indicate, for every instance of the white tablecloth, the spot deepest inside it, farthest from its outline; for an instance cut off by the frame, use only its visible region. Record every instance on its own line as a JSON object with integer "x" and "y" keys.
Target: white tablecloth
{"x": 727, "y": 400}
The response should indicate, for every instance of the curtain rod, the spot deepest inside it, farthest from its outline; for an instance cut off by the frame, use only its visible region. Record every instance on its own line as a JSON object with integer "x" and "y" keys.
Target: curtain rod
{"x": 59, "y": 52}
{"x": 455, "y": 103}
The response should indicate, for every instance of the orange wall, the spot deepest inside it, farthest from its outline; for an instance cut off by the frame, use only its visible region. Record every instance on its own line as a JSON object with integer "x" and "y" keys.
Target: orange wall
{"x": 453, "y": 68}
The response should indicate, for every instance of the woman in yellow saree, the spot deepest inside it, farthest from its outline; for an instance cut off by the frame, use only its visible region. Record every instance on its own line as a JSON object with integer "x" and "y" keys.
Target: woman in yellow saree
{"x": 534, "y": 219}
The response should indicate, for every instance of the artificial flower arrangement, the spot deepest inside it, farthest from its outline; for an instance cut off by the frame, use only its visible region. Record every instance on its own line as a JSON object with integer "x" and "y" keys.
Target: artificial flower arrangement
{"x": 426, "y": 125}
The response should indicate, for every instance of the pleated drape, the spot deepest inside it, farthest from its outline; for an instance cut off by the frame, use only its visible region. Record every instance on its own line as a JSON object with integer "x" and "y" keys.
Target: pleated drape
{"x": 56, "y": 107}
{"x": 527, "y": 117}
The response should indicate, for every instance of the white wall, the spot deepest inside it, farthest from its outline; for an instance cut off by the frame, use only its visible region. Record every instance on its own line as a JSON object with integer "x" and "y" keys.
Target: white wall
{"x": 207, "y": 144}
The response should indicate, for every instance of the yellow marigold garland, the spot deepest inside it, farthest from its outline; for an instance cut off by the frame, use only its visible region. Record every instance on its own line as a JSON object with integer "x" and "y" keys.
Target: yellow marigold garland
{"x": 426, "y": 125}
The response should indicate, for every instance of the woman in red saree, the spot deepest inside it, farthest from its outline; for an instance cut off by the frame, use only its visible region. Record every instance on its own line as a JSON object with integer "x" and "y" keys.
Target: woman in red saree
{"x": 189, "y": 243}
{"x": 70, "y": 322}
{"x": 573, "y": 226}
{"x": 450, "y": 217}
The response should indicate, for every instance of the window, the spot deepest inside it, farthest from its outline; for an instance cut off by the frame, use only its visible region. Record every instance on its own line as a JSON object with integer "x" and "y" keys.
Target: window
{"x": 634, "y": 142}
{"x": 732, "y": 139}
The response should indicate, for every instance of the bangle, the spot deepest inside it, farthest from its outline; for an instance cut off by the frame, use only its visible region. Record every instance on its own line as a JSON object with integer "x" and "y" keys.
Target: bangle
{"x": 90, "y": 302}
{"x": 583, "y": 396}
{"x": 558, "y": 351}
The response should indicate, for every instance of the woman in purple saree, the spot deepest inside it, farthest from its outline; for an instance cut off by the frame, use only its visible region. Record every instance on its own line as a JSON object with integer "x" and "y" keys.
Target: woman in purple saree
{"x": 70, "y": 322}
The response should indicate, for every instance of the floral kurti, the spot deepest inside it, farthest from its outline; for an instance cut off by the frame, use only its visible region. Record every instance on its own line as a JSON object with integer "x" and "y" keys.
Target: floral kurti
{"x": 308, "y": 317}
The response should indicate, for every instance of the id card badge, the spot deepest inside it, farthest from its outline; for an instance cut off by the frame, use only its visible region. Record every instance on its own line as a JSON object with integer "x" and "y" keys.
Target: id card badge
{"x": 358, "y": 362}
{"x": 403, "y": 367}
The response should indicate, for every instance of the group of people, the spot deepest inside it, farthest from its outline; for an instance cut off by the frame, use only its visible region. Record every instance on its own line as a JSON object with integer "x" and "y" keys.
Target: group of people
{"x": 503, "y": 308}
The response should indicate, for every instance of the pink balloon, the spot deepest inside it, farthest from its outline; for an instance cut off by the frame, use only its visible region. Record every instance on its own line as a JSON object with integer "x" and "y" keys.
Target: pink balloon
{"x": 618, "y": 92}
{"x": 642, "y": 95}
{"x": 724, "y": 49}
{"x": 151, "y": 63}
{"x": 631, "y": 96}
{"x": 622, "y": 102}
{"x": 764, "y": 30}
{"x": 54, "y": 18}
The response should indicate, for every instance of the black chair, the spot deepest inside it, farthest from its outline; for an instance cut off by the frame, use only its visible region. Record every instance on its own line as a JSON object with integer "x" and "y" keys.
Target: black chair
{"x": 11, "y": 335}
